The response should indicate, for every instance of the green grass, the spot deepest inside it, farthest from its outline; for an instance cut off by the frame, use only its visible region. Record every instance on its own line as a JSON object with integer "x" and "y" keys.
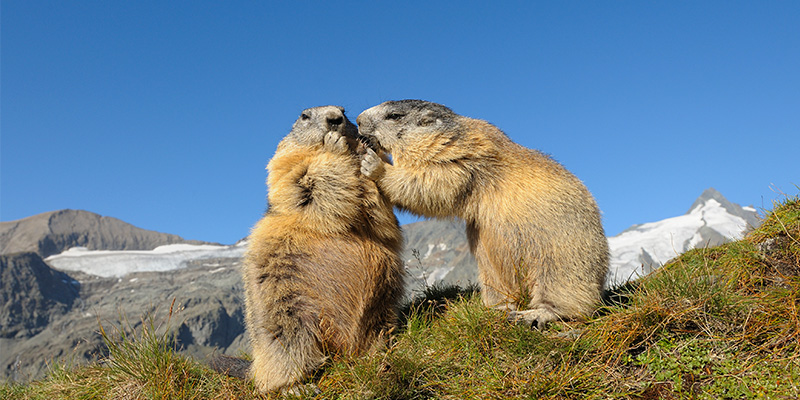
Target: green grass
{"x": 716, "y": 323}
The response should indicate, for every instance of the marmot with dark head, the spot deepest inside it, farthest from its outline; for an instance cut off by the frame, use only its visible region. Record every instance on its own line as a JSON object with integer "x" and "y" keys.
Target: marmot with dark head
{"x": 533, "y": 227}
{"x": 322, "y": 272}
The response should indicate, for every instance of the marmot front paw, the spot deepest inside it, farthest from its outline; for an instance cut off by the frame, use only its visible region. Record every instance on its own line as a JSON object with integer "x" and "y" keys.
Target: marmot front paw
{"x": 372, "y": 165}
{"x": 335, "y": 143}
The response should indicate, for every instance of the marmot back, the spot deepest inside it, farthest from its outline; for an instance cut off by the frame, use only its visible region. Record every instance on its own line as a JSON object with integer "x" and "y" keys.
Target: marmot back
{"x": 322, "y": 272}
{"x": 532, "y": 226}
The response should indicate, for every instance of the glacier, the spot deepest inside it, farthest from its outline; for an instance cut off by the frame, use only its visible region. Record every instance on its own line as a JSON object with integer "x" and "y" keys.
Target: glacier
{"x": 118, "y": 263}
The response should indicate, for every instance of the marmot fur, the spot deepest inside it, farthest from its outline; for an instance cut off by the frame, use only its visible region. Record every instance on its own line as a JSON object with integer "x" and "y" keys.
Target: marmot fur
{"x": 533, "y": 227}
{"x": 322, "y": 272}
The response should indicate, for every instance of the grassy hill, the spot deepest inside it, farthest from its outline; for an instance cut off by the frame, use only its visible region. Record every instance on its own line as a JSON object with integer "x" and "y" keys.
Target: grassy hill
{"x": 715, "y": 323}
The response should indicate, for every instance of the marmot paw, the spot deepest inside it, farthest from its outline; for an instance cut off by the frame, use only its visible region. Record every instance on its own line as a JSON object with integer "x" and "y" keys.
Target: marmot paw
{"x": 334, "y": 142}
{"x": 535, "y": 318}
{"x": 301, "y": 390}
{"x": 372, "y": 165}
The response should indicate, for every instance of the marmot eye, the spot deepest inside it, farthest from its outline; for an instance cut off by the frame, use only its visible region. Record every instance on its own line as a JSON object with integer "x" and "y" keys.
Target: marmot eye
{"x": 394, "y": 116}
{"x": 304, "y": 116}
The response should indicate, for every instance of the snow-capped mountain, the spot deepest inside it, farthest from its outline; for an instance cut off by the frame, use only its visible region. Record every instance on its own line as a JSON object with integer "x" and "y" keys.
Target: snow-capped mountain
{"x": 442, "y": 254}
{"x": 711, "y": 221}
{"x": 61, "y": 309}
{"x": 437, "y": 251}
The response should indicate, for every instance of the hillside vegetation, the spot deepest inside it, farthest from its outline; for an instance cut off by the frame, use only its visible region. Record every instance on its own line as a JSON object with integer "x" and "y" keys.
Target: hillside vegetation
{"x": 715, "y": 323}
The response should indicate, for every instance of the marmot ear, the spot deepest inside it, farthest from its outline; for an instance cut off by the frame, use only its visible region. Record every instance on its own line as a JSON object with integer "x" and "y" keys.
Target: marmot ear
{"x": 427, "y": 119}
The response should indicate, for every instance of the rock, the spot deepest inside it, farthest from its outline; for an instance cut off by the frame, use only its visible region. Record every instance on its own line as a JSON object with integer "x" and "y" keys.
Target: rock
{"x": 32, "y": 295}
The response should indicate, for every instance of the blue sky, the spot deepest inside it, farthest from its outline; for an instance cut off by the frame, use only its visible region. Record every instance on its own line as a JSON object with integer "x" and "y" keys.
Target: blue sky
{"x": 164, "y": 114}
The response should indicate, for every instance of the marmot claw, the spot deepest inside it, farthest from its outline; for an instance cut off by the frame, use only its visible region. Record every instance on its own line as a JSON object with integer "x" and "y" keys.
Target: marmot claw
{"x": 334, "y": 142}
{"x": 371, "y": 165}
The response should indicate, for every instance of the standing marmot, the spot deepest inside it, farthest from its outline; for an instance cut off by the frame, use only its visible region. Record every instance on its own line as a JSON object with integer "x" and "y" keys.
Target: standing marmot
{"x": 322, "y": 272}
{"x": 533, "y": 227}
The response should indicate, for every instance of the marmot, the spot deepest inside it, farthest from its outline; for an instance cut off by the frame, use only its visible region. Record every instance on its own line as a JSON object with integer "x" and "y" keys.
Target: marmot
{"x": 322, "y": 272}
{"x": 533, "y": 227}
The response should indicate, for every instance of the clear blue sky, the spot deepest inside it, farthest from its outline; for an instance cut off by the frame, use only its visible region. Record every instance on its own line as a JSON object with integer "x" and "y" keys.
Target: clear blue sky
{"x": 165, "y": 113}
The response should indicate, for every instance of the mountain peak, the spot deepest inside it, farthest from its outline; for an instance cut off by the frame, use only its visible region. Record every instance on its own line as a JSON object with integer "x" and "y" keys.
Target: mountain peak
{"x": 710, "y": 221}
{"x": 749, "y": 214}
{"x": 711, "y": 194}
{"x": 55, "y": 231}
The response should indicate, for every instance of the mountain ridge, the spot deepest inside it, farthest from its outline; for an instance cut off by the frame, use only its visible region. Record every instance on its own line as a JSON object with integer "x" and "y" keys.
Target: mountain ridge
{"x": 711, "y": 220}
{"x": 748, "y": 213}
{"x": 53, "y": 232}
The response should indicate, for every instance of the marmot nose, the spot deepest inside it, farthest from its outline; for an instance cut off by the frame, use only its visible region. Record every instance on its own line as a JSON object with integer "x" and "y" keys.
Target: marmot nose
{"x": 363, "y": 124}
{"x": 335, "y": 120}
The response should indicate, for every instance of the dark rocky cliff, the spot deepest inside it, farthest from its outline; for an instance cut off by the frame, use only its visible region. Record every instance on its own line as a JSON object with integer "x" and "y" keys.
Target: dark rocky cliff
{"x": 32, "y": 294}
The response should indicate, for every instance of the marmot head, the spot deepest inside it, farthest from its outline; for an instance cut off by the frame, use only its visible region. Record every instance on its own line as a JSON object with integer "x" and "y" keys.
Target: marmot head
{"x": 393, "y": 122}
{"x": 313, "y": 123}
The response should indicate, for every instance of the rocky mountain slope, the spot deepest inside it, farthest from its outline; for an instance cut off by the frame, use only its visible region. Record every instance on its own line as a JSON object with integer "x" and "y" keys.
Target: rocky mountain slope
{"x": 32, "y": 294}
{"x": 47, "y": 313}
{"x": 207, "y": 316}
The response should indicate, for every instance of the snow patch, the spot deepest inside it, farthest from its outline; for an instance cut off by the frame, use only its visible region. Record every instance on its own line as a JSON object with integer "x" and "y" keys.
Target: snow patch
{"x": 118, "y": 263}
{"x": 637, "y": 251}
{"x": 437, "y": 275}
{"x": 430, "y": 250}
{"x": 431, "y": 247}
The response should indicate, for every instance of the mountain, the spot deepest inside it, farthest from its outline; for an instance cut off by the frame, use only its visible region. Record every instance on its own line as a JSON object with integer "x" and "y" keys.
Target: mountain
{"x": 48, "y": 313}
{"x": 436, "y": 251}
{"x": 207, "y": 315}
{"x": 443, "y": 254}
{"x": 56, "y": 231}
{"x": 710, "y": 221}
{"x": 119, "y": 272}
